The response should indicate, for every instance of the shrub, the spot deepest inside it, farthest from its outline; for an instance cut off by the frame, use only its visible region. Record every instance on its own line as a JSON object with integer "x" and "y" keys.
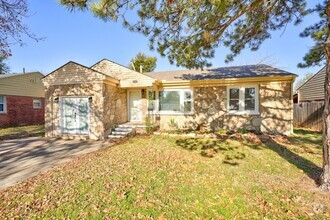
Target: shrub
{"x": 173, "y": 125}
{"x": 222, "y": 131}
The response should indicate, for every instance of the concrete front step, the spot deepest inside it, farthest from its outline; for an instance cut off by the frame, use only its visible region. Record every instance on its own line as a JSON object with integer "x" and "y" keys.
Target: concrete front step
{"x": 115, "y": 136}
{"x": 131, "y": 126}
{"x": 124, "y": 129}
{"x": 120, "y": 132}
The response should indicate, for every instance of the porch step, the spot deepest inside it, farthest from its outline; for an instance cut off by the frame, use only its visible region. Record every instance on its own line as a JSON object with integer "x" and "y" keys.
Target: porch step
{"x": 122, "y": 131}
{"x": 115, "y": 136}
{"x": 131, "y": 126}
{"x": 125, "y": 133}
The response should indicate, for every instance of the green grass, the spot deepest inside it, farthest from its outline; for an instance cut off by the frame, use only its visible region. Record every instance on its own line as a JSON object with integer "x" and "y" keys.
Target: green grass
{"x": 153, "y": 177}
{"x": 20, "y": 132}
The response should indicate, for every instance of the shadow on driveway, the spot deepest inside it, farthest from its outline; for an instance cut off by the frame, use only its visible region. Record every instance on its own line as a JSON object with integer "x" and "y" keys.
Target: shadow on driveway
{"x": 24, "y": 158}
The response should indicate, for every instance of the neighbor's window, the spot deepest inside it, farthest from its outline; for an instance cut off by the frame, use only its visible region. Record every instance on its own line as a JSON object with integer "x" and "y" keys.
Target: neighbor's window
{"x": 243, "y": 99}
{"x": 2, "y": 104}
{"x": 37, "y": 103}
{"x": 176, "y": 101}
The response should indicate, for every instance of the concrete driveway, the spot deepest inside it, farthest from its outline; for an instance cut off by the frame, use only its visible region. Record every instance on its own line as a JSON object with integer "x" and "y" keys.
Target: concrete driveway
{"x": 26, "y": 157}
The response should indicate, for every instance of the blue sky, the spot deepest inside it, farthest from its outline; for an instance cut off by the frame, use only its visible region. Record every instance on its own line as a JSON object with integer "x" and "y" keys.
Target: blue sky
{"x": 81, "y": 37}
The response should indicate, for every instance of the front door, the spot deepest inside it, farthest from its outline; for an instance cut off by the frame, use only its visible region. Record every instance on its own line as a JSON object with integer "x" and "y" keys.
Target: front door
{"x": 135, "y": 106}
{"x": 75, "y": 115}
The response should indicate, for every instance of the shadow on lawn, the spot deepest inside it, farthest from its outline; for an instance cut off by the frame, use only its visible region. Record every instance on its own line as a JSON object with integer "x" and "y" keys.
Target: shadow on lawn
{"x": 308, "y": 141}
{"x": 210, "y": 148}
{"x": 232, "y": 155}
{"x": 310, "y": 168}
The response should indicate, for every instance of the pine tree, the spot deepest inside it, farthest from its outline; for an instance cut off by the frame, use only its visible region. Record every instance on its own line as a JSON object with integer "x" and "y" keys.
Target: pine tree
{"x": 143, "y": 63}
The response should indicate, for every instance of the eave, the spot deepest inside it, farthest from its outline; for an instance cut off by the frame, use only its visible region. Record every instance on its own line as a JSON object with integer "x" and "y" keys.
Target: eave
{"x": 229, "y": 81}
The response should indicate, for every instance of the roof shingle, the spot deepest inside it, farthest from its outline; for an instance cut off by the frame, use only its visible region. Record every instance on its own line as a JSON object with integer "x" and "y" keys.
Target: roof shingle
{"x": 247, "y": 71}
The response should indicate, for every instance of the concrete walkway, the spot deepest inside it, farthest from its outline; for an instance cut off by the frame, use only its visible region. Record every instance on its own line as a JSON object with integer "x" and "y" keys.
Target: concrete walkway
{"x": 26, "y": 157}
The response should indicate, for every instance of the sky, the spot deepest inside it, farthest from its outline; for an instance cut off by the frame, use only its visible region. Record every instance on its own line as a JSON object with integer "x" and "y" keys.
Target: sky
{"x": 80, "y": 37}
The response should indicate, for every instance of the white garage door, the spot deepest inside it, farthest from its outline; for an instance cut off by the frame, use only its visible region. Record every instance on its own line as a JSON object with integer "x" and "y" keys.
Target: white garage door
{"x": 75, "y": 115}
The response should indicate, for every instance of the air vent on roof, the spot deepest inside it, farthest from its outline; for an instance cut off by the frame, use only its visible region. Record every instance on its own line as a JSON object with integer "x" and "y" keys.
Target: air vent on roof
{"x": 134, "y": 81}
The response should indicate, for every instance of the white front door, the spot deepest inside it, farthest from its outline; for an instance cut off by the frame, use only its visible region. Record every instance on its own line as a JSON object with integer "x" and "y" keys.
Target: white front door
{"x": 135, "y": 106}
{"x": 75, "y": 115}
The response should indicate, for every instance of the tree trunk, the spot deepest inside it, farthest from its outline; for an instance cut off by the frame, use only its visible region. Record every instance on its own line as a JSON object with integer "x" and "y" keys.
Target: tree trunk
{"x": 325, "y": 176}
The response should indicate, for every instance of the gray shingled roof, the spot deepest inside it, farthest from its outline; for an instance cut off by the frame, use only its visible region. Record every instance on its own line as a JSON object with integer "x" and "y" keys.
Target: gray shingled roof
{"x": 247, "y": 71}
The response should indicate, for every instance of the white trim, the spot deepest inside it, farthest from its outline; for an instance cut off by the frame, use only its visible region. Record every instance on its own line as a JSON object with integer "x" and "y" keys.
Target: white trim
{"x": 4, "y": 105}
{"x": 39, "y": 100}
{"x": 241, "y": 110}
{"x": 129, "y": 108}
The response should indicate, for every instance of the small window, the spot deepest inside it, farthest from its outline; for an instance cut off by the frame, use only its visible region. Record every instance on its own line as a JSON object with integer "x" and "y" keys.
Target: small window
{"x": 2, "y": 104}
{"x": 152, "y": 104}
{"x": 243, "y": 100}
{"x": 250, "y": 99}
{"x": 234, "y": 99}
{"x": 37, "y": 103}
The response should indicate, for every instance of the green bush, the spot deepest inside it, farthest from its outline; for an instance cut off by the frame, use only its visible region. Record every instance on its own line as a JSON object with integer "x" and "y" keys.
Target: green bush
{"x": 222, "y": 131}
{"x": 173, "y": 125}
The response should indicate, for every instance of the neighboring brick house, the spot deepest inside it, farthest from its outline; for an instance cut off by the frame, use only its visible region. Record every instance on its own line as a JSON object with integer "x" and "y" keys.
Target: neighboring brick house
{"x": 91, "y": 101}
{"x": 21, "y": 99}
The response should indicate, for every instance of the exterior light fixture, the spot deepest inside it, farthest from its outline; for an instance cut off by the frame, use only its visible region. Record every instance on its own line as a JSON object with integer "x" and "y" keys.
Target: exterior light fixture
{"x": 56, "y": 99}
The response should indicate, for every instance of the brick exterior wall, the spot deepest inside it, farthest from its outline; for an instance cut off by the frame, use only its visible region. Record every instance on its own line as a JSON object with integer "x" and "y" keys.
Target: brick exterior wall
{"x": 210, "y": 105}
{"x": 20, "y": 111}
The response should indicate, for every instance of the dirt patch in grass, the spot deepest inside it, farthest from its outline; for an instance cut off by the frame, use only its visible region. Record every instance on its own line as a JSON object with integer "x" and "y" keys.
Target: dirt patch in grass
{"x": 153, "y": 177}
{"x": 21, "y": 132}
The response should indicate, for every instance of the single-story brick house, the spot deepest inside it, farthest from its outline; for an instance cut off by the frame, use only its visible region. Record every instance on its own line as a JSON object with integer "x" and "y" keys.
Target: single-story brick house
{"x": 93, "y": 100}
{"x": 21, "y": 99}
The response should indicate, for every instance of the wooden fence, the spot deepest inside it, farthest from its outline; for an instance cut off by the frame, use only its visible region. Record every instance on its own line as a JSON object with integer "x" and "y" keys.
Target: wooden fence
{"x": 308, "y": 115}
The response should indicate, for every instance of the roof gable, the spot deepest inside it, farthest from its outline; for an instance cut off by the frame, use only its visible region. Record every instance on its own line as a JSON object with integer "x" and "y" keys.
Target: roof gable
{"x": 313, "y": 89}
{"x": 127, "y": 77}
{"x": 72, "y": 72}
{"x": 320, "y": 73}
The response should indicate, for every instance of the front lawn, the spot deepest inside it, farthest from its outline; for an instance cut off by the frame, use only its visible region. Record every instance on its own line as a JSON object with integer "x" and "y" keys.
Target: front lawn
{"x": 154, "y": 177}
{"x": 22, "y": 131}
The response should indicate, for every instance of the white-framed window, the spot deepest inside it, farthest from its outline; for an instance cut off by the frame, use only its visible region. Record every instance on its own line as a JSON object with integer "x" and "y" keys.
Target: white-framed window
{"x": 175, "y": 101}
{"x": 152, "y": 101}
{"x": 3, "y": 106}
{"x": 243, "y": 99}
{"x": 37, "y": 103}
